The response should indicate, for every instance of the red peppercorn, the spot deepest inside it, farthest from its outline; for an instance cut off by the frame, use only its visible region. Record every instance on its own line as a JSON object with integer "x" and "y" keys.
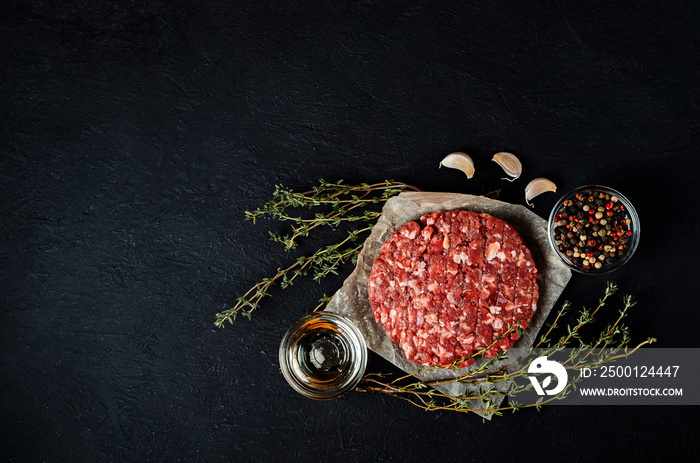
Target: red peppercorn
{"x": 605, "y": 243}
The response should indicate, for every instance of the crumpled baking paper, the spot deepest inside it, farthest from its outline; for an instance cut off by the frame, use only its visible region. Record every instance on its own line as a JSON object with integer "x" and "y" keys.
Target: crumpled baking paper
{"x": 353, "y": 302}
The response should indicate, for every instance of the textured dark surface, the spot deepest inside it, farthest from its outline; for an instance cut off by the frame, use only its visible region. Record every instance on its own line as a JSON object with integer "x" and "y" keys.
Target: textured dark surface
{"x": 134, "y": 135}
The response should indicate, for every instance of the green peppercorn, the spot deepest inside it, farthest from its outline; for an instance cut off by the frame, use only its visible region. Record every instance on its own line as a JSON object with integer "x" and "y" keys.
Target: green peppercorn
{"x": 592, "y": 217}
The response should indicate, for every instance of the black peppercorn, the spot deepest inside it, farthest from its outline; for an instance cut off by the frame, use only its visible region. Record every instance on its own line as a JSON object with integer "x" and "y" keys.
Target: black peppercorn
{"x": 592, "y": 230}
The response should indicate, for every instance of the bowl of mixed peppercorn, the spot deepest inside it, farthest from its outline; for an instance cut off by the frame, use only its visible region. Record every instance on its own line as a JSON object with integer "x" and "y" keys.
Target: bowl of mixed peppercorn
{"x": 594, "y": 229}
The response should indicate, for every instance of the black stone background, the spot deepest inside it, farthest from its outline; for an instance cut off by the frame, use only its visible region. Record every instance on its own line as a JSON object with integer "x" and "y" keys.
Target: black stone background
{"x": 134, "y": 135}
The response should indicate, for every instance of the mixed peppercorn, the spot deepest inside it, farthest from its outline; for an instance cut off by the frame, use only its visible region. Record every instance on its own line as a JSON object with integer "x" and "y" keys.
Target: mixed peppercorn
{"x": 593, "y": 229}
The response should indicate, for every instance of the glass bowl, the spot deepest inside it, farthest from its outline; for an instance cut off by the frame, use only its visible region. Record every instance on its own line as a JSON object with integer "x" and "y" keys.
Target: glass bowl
{"x": 604, "y": 231}
{"x": 323, "y": 355}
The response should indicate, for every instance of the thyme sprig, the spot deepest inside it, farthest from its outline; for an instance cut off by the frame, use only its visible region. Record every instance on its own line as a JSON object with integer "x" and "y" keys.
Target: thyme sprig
{"x": 611, "y": 344}
{"x": 339, "y": 203}
{"x": 344, "y": 203}
{"x": 586, "y": 317}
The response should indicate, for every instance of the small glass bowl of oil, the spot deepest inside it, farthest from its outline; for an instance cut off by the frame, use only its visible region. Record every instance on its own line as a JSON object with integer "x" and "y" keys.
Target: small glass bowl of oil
{"x": 323, "y": 355}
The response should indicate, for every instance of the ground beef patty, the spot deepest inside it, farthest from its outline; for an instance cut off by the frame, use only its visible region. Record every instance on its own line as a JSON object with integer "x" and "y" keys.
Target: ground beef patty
{"x": 448, "y": 287}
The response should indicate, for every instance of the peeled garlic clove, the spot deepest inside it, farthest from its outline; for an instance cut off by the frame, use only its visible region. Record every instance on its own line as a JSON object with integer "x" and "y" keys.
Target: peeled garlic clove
{"x": 510, "y": 164}
{"x": 460, "y": 161}
{"x": 537, "y": 187}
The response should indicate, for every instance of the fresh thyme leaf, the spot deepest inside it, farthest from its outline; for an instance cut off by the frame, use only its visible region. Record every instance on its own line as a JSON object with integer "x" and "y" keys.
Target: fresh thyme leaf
{"x": 611, "y": 339}
{"x": 340, "y": 203}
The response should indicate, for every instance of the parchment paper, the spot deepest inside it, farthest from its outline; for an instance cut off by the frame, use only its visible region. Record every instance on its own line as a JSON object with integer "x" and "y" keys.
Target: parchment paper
{"x": 352, "y": 299}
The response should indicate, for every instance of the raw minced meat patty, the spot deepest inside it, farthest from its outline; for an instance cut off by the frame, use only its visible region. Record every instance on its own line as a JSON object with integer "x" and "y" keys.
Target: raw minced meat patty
{"x": 449, "y": 286}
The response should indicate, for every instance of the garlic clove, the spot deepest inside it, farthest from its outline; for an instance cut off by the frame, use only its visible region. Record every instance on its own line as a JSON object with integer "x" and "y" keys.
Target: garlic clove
{"x": 510, "y": 164}
{"x": 536, "y": 187}
{"x": 460, "y": 161}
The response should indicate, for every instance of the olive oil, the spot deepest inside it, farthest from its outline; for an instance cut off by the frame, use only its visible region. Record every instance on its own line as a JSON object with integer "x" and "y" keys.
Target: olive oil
{"x": 323, "y": 355}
